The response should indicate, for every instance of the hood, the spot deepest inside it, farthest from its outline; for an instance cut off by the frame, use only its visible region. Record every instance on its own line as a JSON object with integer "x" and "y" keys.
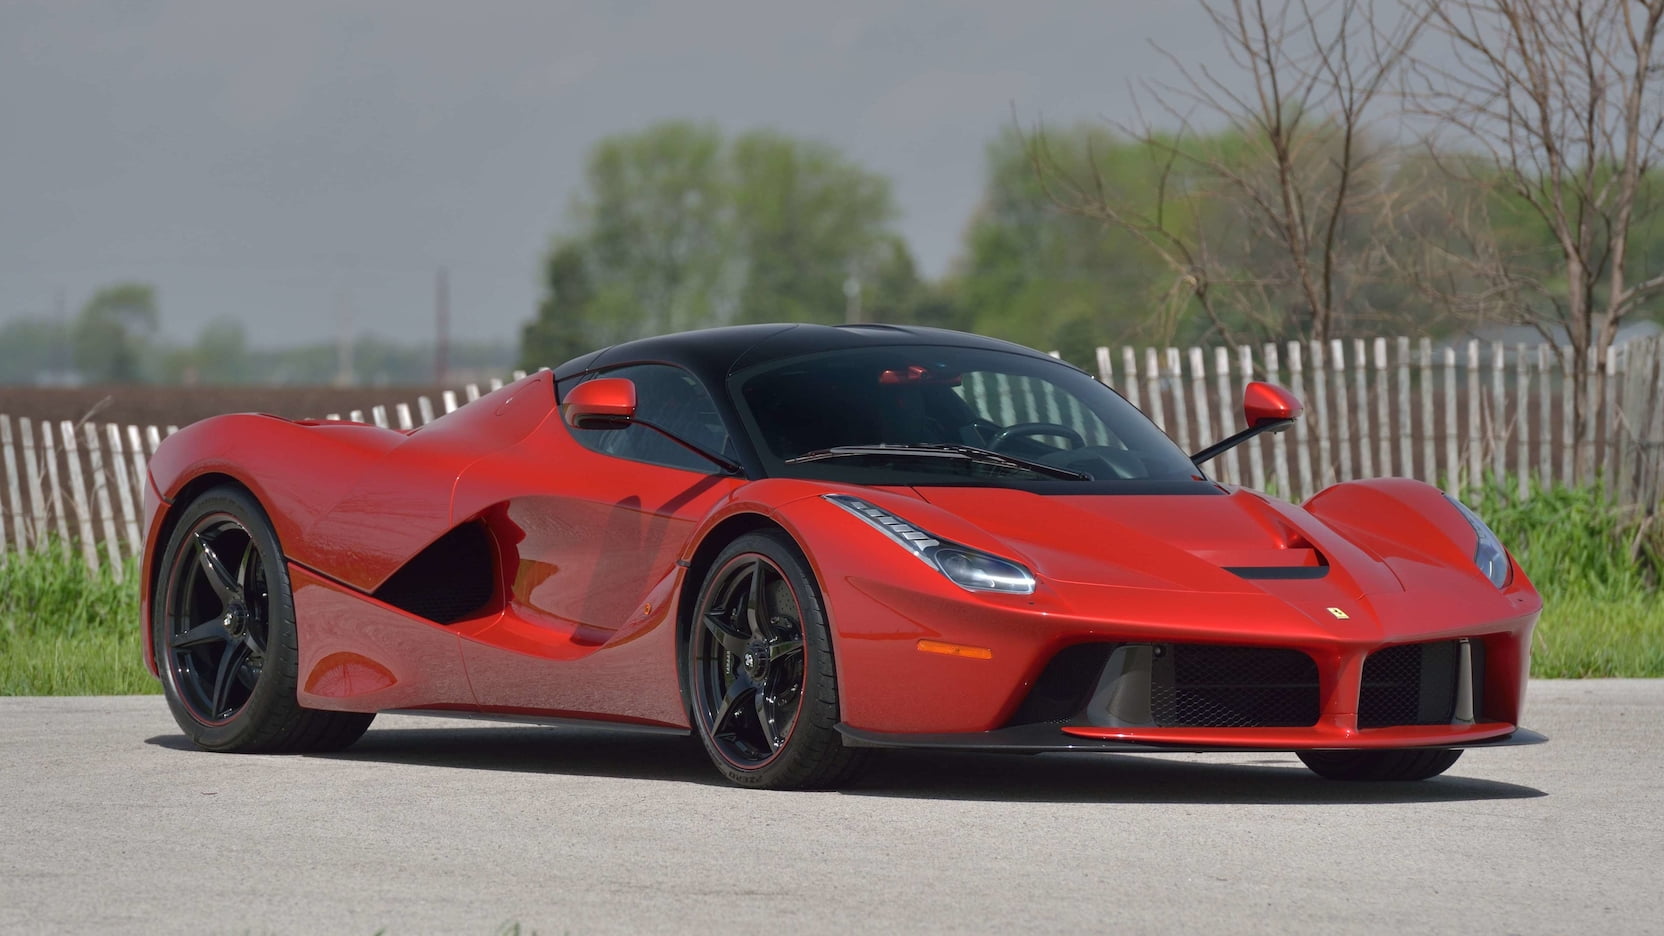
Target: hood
{"x": 1236, "y": 541}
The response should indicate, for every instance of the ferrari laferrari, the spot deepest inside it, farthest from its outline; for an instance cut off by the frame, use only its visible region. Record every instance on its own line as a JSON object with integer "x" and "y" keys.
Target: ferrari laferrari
{"x": 802, "y": 544}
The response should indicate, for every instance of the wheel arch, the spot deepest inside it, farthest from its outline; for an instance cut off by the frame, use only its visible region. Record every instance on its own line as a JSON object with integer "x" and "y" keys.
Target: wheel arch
{"x": 166, "y": 522}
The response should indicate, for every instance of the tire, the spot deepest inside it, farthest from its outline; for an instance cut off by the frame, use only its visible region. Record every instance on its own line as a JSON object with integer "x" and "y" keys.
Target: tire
{"x": 223, "y": 631}
{"x": 1408, "y": 764}
{"x": 761, "y": 686}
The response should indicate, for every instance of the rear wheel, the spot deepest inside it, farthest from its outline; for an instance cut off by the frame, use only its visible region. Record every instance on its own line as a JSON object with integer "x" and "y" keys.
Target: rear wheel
{"x": 760, "y": 675}
{"x": 1412, "y": 764}
{"x": 223, "y": 630}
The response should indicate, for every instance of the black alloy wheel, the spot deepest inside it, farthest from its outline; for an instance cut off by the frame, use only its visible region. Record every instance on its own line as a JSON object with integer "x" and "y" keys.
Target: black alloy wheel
{"x": 223, "y": 633}
{"x": 218, "y": 619}
{"x": 759, "y": 670}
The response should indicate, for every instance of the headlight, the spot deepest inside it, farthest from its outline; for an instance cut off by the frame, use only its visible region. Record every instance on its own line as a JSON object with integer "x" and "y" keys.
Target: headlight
{"x": 968, "y": 568}
{"x": 1490, "y": 557}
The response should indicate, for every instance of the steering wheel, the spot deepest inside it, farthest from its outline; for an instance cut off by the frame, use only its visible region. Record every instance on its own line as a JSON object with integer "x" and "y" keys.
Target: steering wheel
{"x": 1022, "y": 430}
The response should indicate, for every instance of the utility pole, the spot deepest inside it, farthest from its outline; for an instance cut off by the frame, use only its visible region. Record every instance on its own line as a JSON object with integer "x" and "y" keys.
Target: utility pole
{"x": 63, "y": 354}
{"x": 442, "y": 326}
{"x": 343, "y": 341}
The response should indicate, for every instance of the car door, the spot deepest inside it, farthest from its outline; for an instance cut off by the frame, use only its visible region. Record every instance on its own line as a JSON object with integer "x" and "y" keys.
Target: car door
{"x": 589, "y": 538}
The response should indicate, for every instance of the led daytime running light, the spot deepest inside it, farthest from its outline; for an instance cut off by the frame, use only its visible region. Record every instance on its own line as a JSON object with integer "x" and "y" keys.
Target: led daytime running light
{"x": 968, "y": 568}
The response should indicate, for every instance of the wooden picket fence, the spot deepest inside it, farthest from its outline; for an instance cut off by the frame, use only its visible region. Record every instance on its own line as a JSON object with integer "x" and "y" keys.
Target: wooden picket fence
{"x": 1453, "y": 416}
{"x": 80, "y": 485}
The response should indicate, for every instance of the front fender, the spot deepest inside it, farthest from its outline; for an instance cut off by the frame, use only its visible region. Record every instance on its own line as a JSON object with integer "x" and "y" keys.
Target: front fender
{"x": 1414, "y": 529}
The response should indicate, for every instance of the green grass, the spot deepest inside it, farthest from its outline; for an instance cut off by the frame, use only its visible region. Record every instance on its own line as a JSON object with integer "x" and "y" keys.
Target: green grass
{"x": 1582, "y": 637}
{"x": 1599, "y": 571}
{"x": 67, "y": 631}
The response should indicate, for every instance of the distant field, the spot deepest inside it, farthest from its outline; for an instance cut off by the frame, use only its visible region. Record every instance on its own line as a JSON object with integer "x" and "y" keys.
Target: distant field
{"x": 179, "y": 406}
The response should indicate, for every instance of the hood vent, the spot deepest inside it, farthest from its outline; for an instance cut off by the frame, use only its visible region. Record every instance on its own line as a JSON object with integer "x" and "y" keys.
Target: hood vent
{"x": 1284, "y": 573}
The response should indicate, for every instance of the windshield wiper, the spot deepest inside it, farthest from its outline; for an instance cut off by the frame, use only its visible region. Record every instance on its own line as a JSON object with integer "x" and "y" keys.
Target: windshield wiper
{"x": 970, "y": 453}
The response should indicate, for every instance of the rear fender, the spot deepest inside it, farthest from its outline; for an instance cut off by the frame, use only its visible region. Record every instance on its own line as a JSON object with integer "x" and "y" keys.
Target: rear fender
{"x": 297, "y": 471}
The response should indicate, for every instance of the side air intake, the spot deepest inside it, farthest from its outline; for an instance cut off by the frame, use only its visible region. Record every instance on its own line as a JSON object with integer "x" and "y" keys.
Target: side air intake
{"x": 449, "y": 581}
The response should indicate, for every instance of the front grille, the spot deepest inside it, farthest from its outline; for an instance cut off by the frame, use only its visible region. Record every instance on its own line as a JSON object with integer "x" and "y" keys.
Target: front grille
{"x": 1410, "y": 684}
{"x": 1208, "y": 686}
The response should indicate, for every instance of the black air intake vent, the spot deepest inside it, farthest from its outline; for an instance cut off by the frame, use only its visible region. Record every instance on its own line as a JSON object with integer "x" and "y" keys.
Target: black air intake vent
{"x": 450, "y": 580}
{"x": 1415, "y": 684}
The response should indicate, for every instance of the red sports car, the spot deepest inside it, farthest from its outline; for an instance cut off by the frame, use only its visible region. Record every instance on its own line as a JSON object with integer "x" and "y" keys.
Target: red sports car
{"x": 803, "y": 542}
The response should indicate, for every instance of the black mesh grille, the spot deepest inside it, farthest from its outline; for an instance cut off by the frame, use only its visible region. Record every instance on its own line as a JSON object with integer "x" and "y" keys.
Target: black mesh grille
{"x": 1411, "y": 684}
{"x": 1206, "y": 686}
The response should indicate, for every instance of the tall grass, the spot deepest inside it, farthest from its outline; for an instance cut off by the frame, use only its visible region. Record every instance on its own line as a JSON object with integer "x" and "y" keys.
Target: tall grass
{"x": 1599, "y": 571}
{"x": 67, "y": 631}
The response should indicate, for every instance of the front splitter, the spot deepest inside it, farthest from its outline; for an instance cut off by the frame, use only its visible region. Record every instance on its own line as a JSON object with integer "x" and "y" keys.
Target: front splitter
{"x": 1041, "y": 739}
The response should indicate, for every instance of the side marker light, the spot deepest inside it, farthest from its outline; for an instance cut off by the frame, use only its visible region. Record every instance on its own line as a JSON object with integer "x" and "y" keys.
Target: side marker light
{"x": 953, "y": 649}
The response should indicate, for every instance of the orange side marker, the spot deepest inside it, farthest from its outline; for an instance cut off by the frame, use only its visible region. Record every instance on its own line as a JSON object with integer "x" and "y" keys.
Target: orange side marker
{"x": 953, "y": 649}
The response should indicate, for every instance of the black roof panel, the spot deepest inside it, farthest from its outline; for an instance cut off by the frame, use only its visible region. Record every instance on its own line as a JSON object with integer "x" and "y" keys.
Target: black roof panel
{"x": 714, "y": 353}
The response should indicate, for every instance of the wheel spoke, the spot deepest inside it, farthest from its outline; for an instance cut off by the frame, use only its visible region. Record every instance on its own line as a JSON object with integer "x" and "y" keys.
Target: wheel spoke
{"x": 730, "y": 704}
{"x": 233, "y": 659}
{"x": 205, "y": 633}
{"x": 717, "y": 624}
{"x": 781, "y": 649}
{"x": 219, "y": 578}
{"x": 244, "y": 566}
{"x": 756, "y": 603}
{"x": 765, "y": 719}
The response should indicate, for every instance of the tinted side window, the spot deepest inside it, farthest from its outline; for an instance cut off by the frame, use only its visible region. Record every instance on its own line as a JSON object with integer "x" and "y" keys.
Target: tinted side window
{"x": 670, "y": 398}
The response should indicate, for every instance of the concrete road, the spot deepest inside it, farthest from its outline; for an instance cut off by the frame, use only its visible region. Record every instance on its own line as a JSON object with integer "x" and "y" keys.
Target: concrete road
{"x": 110, "y": 824}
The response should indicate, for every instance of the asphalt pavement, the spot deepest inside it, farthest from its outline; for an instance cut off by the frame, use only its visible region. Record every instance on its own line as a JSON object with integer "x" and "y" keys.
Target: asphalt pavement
{"x": 111, "y": 823}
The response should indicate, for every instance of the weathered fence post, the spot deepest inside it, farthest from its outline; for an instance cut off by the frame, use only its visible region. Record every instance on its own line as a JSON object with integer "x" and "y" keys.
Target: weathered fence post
{"x": 78, "y": 494}
{"x": 1302, "y": 428}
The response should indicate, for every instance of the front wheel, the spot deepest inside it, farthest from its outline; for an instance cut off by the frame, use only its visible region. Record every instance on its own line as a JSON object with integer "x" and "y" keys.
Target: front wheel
{"x": 1411, "y": 764}
{"x": 223, "y": 630}
{"x": 760, "y": 674}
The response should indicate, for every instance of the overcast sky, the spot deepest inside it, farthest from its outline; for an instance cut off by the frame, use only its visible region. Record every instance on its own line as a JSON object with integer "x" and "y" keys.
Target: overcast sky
{"x": 285, "y": 162}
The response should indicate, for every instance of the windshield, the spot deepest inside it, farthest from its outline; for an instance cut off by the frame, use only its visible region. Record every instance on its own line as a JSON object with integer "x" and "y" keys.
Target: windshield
{"x": 944, "y": 415}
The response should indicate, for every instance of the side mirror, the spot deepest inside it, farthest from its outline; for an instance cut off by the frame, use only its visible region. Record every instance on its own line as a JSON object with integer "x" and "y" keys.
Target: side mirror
{"x": 605, "y": 403}
{"x": 1264, "y": 403}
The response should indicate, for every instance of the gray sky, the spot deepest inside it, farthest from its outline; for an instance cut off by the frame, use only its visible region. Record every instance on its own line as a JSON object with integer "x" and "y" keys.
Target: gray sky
{"x": 281, "y": 162}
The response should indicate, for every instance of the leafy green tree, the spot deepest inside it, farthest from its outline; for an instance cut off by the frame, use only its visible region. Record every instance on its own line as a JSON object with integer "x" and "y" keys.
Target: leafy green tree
{"x": 653, "y": 231}
{"x": 1044, "y": 276}
{"x": 558, "y": 332}
{"x": 807, "y": 222}
{"x": 678, "y": 227}
{"x": 33, "y": 350}
{"x": 111, "y": 333}
{"x": 220, "y": 356}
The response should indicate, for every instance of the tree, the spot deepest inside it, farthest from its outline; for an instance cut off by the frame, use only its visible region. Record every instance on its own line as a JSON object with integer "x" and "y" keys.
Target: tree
{"x": 807, "y": 222}
{"x": 33, "y": 350}
{"x": 678, "y": 227}
{"x": 1257, "y": 225}
{"x": 1554, "y": 95}
{"x": 1059, "y": 279}
{"x": 111, "y": 332}
{"x": 558, "y": 332}
{"x": 220, "y": 356}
